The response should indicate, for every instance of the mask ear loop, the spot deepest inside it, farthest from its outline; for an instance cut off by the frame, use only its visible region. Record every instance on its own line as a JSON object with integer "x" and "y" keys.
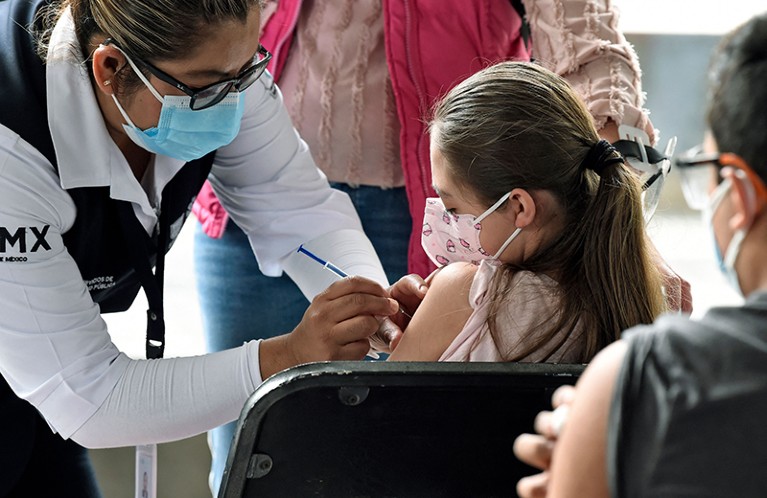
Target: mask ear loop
{"x": 143, "y": 79}
{"x": 506, "y": 244}
{"x": 719, "y": 194}
{"x": 750, "y": 190}
{"x": 122, "y": 111}
{"x": 492, "y": 208}
{"x": 733, "y": 248}
{"x": 139, "y": 74}
{"x": 490, "y": 211}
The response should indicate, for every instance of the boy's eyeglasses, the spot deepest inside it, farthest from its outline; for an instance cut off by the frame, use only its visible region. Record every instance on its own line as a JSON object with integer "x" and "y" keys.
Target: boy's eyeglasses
{"x": 700, "y": 170}
{"x": 210, "y": 95}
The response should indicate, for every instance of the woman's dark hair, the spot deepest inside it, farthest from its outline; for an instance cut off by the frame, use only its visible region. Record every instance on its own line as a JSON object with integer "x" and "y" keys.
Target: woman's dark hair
{"x": 147, "y": 30}
{"x": 518, "y": 125}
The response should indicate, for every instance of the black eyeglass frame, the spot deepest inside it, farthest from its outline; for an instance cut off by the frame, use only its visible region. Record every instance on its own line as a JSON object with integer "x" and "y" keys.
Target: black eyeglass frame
{"x": 226, "y": 85}
{"x": 695, "y": 158}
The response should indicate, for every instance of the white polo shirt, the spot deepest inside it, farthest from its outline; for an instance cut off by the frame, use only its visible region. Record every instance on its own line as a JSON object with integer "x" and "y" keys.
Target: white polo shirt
{"x": 55, "y": 351}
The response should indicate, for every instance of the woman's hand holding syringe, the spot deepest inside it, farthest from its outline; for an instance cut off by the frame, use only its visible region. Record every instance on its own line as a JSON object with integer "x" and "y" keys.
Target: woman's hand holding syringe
{"x": 409, "y": 290}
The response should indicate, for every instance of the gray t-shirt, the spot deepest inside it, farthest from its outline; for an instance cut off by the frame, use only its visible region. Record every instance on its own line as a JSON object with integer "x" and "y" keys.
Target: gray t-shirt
{"x": 689, "y": 413}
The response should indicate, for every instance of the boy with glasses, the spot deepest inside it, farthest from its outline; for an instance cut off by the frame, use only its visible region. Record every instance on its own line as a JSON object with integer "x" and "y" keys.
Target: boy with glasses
{"x": 677, "y": 408}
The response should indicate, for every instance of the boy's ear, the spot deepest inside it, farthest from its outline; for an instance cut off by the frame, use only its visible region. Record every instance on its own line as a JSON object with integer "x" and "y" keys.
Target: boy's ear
{"x": 522, "y": 206}
{"x": 743, "y": 198}
{"x": 107, "y": 61}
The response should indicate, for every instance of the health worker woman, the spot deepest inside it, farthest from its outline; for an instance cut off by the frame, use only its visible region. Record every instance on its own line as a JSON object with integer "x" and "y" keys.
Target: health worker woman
{"x": 112, "y": 116}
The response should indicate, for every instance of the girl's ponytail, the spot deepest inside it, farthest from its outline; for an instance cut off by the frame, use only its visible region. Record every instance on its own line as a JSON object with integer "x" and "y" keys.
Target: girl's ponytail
{"x": 616, "y": 273}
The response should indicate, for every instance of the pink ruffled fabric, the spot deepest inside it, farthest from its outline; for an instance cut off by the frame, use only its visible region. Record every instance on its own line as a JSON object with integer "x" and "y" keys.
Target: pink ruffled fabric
{"x": 580, "y": 40}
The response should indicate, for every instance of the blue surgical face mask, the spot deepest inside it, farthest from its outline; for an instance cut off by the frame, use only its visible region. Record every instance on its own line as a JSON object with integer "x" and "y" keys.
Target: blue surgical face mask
{"x": 727, "y": 262}
{"x": 182, "y": 133}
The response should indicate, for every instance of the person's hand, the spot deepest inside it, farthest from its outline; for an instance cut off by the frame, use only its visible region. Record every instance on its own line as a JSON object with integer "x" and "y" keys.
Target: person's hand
{"x": 675, "y": 288}
{"x": 409, "y": 291}
{"x": 336, "y": 326}
{"x": 536, "y": 449}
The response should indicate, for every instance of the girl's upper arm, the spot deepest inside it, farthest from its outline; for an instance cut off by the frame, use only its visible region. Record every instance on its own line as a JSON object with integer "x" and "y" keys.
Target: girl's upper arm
{"x": 440, "y": 317}
{"x": 579, "y": 466}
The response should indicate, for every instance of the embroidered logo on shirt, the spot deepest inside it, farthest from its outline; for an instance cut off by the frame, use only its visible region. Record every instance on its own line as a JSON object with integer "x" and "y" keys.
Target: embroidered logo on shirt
{"x": 22, "y": 240}
{"x": 100, "y": 283}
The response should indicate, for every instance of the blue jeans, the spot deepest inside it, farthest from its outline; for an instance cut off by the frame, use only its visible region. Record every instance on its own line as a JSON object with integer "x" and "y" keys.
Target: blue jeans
{"x": 238, "y": 303}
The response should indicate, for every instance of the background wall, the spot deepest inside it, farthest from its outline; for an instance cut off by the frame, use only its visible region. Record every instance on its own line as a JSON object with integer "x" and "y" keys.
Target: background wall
{"x": 674, "y": 69}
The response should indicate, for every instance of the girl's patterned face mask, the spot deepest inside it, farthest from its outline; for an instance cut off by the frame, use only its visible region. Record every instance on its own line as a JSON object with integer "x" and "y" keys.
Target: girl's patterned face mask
{"x": 448, "y": 237}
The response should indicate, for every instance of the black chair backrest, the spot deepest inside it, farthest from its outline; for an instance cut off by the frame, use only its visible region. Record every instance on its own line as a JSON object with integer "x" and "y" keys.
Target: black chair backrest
{"x": 385, "y": 429}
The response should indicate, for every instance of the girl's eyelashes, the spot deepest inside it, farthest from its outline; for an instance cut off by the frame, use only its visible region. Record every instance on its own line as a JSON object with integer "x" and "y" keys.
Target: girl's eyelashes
{"x": 447, "y": 209}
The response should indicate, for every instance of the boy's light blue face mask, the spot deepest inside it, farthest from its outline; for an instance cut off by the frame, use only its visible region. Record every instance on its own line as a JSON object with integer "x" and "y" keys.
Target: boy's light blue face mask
{"x": 182, "y": 133}
{"x": 725, "y": 262}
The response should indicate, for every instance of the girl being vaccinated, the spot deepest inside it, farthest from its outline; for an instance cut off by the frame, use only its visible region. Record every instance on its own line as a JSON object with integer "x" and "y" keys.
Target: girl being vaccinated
{"x": 538, "y": 228}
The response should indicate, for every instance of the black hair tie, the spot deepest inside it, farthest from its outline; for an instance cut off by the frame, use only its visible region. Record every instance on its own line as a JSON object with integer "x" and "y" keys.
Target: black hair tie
{"x": 601, "y": 155}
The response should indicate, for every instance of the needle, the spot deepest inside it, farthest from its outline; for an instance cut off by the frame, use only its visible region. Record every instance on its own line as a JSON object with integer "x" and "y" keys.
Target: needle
{"x": 333, "y": 268}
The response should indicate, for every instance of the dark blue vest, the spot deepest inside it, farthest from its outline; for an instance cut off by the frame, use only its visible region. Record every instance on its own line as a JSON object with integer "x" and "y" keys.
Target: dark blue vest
{"x": 106, "y": 239}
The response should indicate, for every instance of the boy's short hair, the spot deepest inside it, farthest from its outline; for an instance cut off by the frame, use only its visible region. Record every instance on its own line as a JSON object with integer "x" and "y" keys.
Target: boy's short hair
{"x": 737, "y": 103}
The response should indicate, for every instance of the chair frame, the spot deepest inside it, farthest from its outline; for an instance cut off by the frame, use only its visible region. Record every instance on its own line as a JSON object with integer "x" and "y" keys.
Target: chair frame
{"x": 352, "y": 382}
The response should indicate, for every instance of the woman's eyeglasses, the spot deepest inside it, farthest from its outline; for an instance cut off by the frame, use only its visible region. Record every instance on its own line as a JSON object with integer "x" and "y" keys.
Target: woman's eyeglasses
{"x": 699, "y": 171}
{"x": 210, "y": 95}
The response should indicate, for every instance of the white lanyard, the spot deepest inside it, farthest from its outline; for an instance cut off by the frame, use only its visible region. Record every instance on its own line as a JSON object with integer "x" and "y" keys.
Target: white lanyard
{"x": 146, "y": 471}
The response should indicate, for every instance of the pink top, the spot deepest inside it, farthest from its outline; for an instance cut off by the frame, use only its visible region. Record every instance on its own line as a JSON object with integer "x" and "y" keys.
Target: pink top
{"x": 533, "y": 297}
{"x": 337, "y": 89}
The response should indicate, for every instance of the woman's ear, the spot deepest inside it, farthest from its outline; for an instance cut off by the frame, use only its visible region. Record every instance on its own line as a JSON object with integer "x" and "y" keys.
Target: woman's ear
{"x": 522, "y": 206}
{"x": 743, "y": 198}
{"x": 107, "y": 62}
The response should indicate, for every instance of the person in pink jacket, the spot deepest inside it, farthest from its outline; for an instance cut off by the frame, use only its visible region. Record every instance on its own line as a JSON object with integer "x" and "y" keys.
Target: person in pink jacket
{"x": 359, "y": 79}
{"x": 430, "y": 46}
